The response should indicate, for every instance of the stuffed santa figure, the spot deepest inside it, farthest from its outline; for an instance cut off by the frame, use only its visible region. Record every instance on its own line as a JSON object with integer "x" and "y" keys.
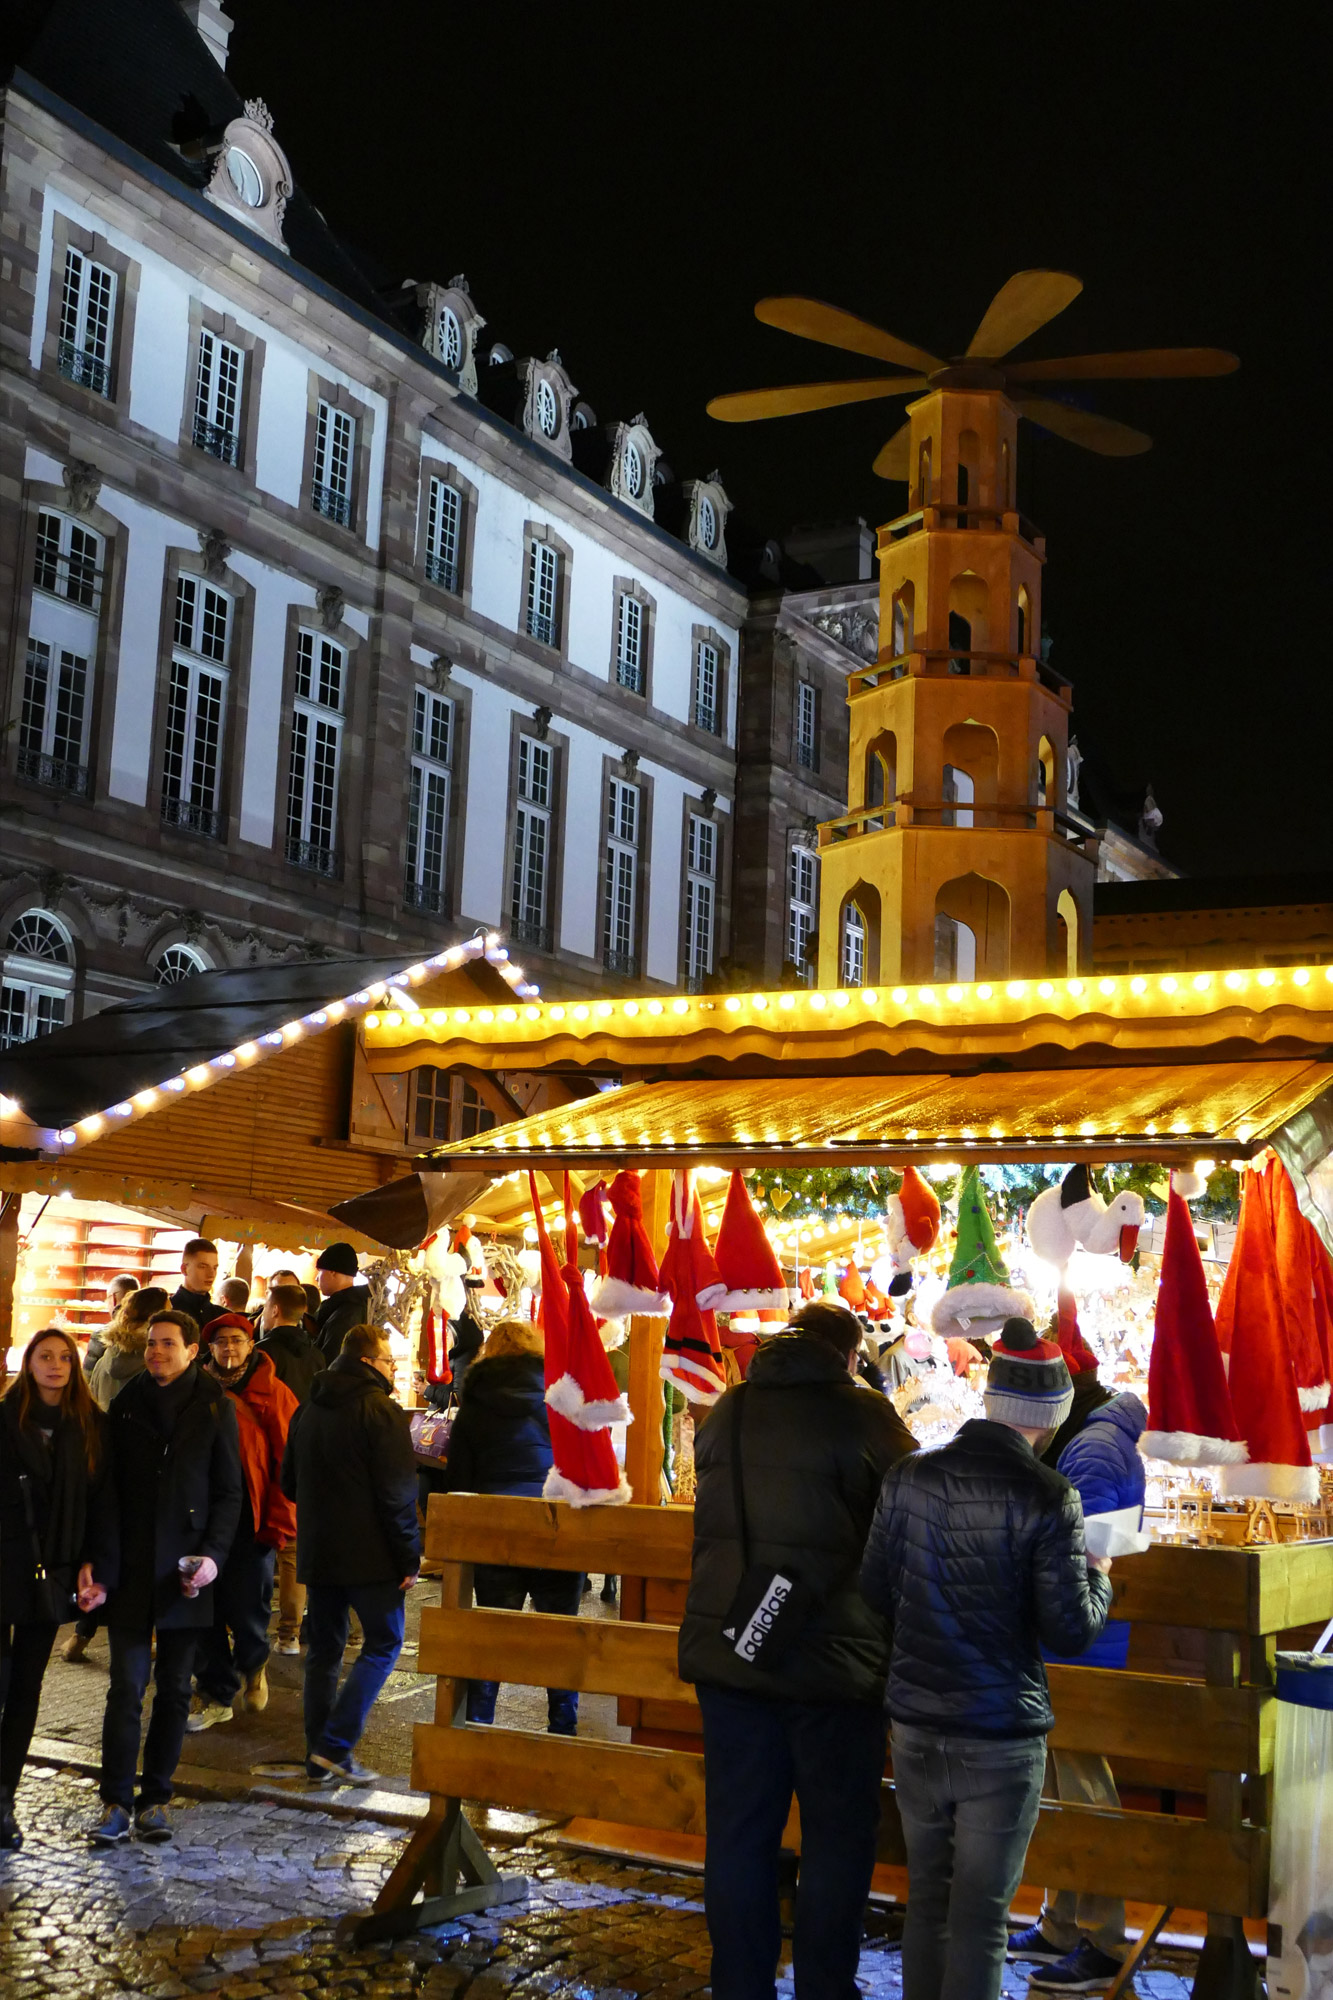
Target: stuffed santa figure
{"x": 912, "y": 1224}
{"x": 744, "y": 1256}
{"x": 1190, "y": 1418}
{"x": 581, "y": 1393}
{"x": 632, "y": 1283}
{"x": 692, "y": 1352}
{"x": 1261, "y": 1375}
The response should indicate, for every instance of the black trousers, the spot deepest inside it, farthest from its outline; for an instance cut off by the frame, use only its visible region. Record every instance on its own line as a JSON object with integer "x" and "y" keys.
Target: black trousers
{"x": 501, "y": 1587}
{"x": 24, "y": 1652}
{"x": 131, "y": 1663}
{"x": 757, "y": 1752}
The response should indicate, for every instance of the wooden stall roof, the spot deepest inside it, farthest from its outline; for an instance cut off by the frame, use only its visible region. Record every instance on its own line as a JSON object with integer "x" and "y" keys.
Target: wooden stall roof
{"x": 1023, "y": 1023}
{"x": 1169, "y": 1110}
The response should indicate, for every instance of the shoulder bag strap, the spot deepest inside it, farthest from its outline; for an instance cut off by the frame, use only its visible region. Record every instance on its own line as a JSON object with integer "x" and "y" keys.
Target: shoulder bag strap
{"x": 39, "y": 1559}
{"x": 738, "y": 1473}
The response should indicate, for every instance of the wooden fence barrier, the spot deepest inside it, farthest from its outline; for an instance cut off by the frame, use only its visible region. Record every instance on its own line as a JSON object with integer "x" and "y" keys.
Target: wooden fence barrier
{"x": 1221, "y": 1725}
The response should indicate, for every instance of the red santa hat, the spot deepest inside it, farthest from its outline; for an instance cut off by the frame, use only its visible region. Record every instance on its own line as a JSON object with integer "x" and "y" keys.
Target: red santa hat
{"x": 1261, "y": 1377}
{"x": 692, "y": 1353}
{"x": 921, "y": 1210}
{"x": 805, "y": 1282}
{"x": 1190, "y": 1419}
{"x": 581, "y": 1391}
{"x": 1079, "y": 1357}
{"x": 1292, "y": 1249}
{"x": 632, "y": 1283}
{"x": 1321, "y": 1269}
{"x": 592, "y": 1214}
{"x": 750, "y": 1271}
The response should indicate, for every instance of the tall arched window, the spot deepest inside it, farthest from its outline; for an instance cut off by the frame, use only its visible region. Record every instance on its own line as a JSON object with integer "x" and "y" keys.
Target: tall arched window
{"x": 38, "y": 978}
{"x": 853, "y": 947}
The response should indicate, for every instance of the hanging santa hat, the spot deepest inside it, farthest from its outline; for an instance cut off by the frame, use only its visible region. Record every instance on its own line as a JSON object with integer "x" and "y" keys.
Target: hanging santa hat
{"x": 912, "y": 1219}
{"x": 744, "y": 1255}
{"x": 632, "y": 1283}
{"x": 1190, "y": 1418}
{"x": 692, "y": 1353}
{"x": 980, "y": 1298}
{"x": 851, "y": 1287}
{"x": 1079, "y": 1357}
{"x": 1292, "y": 1249}
{"x": 1261, "y": 1377}
{"x": 581, "y": 1392}
{"x": 592, "y": 1214}
{"x": 1321, "y": 1268}
{"x": 805, "y": 1282}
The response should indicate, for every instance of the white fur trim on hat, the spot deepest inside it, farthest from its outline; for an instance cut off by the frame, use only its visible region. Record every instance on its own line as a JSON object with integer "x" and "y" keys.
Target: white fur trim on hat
{"x": 709, "y": 1300}
{"x": 613, "y": 1333}
{"x": 557, "y": 1487}
{"x": 700, "y": 1384}
{"x": 1313, "y": 1399}
{"x": 567, "y": 1397}
{"x": 744, "y": 1302}
{"x": 616, "y": 1298}
{"x": 963, "y": 1306}
{"x": 1189, "y": 1448}
{"x": 1271, "y": 1482}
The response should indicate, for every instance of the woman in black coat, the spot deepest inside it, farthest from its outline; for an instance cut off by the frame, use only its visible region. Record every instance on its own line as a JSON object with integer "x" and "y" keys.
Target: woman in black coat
{"x": 501, "y": 1443}
{"x": 52, "y": 1485}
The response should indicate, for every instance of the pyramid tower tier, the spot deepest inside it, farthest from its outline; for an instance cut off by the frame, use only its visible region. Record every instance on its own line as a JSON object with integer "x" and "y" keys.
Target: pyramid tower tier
{"x": 958, "y": 858}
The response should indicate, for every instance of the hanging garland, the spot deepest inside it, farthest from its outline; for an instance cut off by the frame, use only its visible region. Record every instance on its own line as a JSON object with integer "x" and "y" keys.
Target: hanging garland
{"x": 816, "y": 1193}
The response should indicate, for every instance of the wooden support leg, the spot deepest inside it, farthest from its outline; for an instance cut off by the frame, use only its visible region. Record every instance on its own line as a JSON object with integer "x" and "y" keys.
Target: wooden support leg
{"x": 1138, "y": 1952}
{"x": 1226, "y": 1969}
{"x": 443, "y": 1853}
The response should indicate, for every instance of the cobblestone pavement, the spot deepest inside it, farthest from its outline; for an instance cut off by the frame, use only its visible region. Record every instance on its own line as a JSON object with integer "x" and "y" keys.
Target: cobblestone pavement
{"x": 244, "y": 1902}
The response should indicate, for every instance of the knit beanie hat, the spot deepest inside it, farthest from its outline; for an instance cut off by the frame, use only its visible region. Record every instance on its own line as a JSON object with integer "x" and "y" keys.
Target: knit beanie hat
{"x": 1027, "y": 1382}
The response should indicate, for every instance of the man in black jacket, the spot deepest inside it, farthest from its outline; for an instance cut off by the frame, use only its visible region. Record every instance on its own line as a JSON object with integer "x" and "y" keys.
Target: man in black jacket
{"x": 977, "y": 1557}
{"x": 199, "y": 1270}
{"x": 345, "y": 1303}
{"x": 175, "y": 1464}
{"x": 297, "y": 1361}
{"x": 350, "y": 1468}
{"x": 814, "y": 1445}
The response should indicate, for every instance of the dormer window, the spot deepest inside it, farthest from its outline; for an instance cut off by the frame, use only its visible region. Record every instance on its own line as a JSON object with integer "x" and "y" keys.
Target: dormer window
{"x": 450, "y": 324}
{"x": 707, "y": 523}
{"x": 251, "y": 175}
{"x": 707, "y": 520}
{"x": 548, "y": 409}
{"x": 634, "y": 463}
{"x": 245, "y": 177}
{"x": 633, "y": 467}
{"x": 449, "y": 338}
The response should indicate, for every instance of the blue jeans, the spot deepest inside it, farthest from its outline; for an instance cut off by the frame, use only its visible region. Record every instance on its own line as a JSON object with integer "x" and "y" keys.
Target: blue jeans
{"x": 236, "y": 1644}
{"x": 968, "y": 1807}
{"x": 131, "y": 1663}
{"x": 334, "y": 1716}
{"x": 498, "y": 1587}
{"x": 757, "y": 1752}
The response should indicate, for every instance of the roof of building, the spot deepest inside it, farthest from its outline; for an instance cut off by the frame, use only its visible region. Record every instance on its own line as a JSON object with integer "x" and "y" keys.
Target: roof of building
{"x": 1211, "y": 892}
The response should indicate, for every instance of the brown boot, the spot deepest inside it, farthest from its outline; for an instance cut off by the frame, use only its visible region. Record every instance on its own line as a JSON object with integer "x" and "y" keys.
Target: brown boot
{"x": 256, "y": 1690}
{"x": 75, "y": 1648}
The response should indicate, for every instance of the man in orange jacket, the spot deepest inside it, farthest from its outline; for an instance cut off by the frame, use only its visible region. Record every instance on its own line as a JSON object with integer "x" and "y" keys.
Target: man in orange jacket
{"x": 232, "y": 1659}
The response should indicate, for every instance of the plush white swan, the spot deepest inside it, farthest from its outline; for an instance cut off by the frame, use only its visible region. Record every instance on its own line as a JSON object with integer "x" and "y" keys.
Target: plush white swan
{"x": 1074, "y": 1215}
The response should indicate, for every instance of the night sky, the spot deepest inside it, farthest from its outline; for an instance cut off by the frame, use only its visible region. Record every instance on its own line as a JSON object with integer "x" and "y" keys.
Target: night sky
{"x": 623, "y": 184}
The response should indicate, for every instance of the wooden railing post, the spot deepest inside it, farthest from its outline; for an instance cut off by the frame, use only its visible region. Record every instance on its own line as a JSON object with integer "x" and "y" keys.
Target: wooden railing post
{"x": 643, "y": 1446}
{"x": 1226, "y": 1971}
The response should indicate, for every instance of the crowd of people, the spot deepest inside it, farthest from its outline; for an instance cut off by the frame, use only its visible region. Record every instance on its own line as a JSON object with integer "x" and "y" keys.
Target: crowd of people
{"x": 849, "y": 1591}
{"x": 161, "y": 1483}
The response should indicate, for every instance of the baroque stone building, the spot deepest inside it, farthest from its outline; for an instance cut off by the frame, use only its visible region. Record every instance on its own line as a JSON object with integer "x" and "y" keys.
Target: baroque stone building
{"x": 327, "y": 625}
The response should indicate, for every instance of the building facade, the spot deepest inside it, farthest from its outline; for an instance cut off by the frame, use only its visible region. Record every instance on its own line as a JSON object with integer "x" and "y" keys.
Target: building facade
{"x": 327, "y": 626}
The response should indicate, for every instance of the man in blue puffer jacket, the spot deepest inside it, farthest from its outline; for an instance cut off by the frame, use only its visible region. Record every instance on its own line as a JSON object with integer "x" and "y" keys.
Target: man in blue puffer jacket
{"x": 1079, "y": 1942}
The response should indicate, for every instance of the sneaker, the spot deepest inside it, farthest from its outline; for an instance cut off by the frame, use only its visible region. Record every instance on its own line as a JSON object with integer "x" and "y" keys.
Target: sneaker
{"x": 350, "y": 1772}
{"x": 151, "y": 1823}
{"x": 112, "y": 1828}
{"x": 1034, "y": 1944}
{"x": 321, "y": 1773}
{"x": 74, "y": 1649}
{"x": 204, "y": 1712}
{"x": 256, "y": 1691}
{"x": 289, "y": 1648}
{"x": 1085, "y": 1969}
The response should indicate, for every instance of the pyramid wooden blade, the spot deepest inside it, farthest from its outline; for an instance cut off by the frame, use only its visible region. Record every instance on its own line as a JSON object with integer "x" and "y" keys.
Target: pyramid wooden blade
{"x": 811, "y": 319}
{"x": 1026, "y": 302}
{"x": 1102, "y": 434}
{"x": 895, "y": 461}
{"x": 1140, "y": 364}
{"x": 746, "y": 406}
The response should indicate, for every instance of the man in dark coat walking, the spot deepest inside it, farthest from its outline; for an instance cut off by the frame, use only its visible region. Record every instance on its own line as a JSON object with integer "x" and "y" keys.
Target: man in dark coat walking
{"x": 350, "y": 1468}
{"x": 176, "y": 1467}
{"x": 345, "y": 1303}
{"x": 814, "y": 1446}
{"x": 977, "y": 1558}
{"x": 282, "y": 1336}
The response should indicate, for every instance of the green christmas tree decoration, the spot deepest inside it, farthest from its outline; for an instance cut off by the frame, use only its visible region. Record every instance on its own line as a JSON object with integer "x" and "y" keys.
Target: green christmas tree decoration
{"x": 976, "y": 1257}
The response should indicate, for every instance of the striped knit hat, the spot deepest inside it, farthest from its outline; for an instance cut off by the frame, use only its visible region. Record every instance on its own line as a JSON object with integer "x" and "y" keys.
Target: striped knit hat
{"x": 1027, "y": 1382}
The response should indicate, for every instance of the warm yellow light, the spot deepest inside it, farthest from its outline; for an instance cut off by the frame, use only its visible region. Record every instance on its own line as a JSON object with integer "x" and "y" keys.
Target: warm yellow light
{"x": 1235, "y": 980}
{"x": 1150, "y": 1128}
{"x": 486, "y": 1015}
{"x": 680, "y": 1006}
{"x": 1075, "y": 986}
{"x": 91, "y": 1125}
{"x": 899, "y": 996}
{"x": 1139, "y": 985}
{"x": 1046, "y": 991}
{"x": 1267, "y": 978}
{"x": 654, "y": 1006}
{"x": 786, "y": 1001}
{"x": 603, "y": 1009}
{"x": 417, "y": 1020}
{"x": 841, "y": 999}
{"x": 145, "y": 1098}
{"x": 1016, "y": 989}
{"x": 954, "y": 993}
{"x": 557, "y": 1013}
{"x": 1106, "y": 986}
{"x": 1202, "y": 981}
{"x": 532, "y": 1013}
{"x": 1170, "y": 984}
{"x": 1302, "y": 978}
{"x": 818, "y": 1002}
{"x": 246, "y": 1051}
{"x": 372, "y": 1020}
{"x": 631, "y": 1008}
{"x": 580, "y": 1013}
{"x": 1205, "y": 1168}
{"x": 985, "y": 992}
{"x": 926, "y": 996}
{"x": 1087, "y": 1128}
{"x": 759, "y": 1003}
{"x": 732, "y": 1004}
{"x": 199, "y": 1074}
{"x": 869, "y": 996}
{"x": 440, "y": 1018}
{"x": 509, "y": 1013}
{"x": 1243, "y": 1132}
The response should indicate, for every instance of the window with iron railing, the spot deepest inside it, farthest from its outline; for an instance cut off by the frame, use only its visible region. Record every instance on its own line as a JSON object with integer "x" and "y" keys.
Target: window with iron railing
{"x": 87, "y": 310}
{"x": 444, "y": 512}
{"x": 630, "y": 620}
{"x": 196, "y": 708}
{"x": 428, "y": 802}
{"x": 700, "y": 898}
{"x": 529, "y": 921}
{"x": 68, "y": 561}
{"x": 620, "y": 914}
{"x": 53, "y": 721}
{"x": 314, "y": 758}
{"x": 217, "y": 398}
{"x": 331, "y": 485}
{"x": 543, "y": 589}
